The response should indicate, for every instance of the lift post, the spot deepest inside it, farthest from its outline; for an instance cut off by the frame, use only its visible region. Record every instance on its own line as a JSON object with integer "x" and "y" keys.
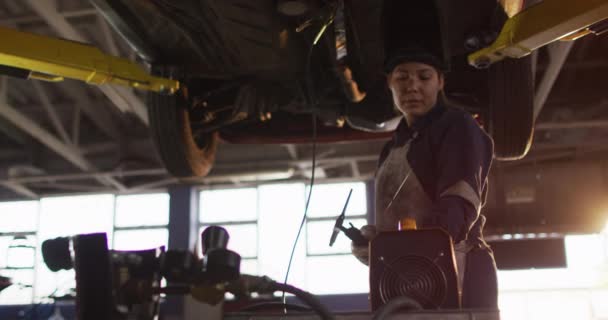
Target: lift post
{"x": 541, "y": 24}
{"x": 39, "y": 57}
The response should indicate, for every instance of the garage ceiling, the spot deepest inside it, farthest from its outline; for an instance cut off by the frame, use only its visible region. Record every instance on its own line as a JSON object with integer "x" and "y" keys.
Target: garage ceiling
{"x": 68, "y": 137}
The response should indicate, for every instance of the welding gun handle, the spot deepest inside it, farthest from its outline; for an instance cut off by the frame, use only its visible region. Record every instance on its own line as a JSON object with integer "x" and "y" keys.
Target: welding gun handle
{"x": 356, "y": 236}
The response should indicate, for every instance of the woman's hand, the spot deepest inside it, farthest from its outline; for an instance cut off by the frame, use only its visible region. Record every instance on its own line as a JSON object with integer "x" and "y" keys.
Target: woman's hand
{"x": 362, "y": 252}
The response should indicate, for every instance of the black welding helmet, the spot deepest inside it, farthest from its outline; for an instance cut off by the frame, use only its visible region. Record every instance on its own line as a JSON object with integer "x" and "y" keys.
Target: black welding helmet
{"x": 413, "y": 53}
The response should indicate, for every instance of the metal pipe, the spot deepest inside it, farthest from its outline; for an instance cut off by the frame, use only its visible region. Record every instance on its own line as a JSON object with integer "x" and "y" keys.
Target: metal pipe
{"x": 558, "y": 52}
{"x": 572, "y": 125}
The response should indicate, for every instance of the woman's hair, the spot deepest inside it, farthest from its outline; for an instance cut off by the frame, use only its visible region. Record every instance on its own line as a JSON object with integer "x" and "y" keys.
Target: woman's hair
{"x": 443, "y": 98}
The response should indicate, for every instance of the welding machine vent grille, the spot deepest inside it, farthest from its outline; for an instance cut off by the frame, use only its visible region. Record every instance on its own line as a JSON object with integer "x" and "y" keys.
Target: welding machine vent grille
{"x": 414, "y": 276}
{"x": 418, "y": 264}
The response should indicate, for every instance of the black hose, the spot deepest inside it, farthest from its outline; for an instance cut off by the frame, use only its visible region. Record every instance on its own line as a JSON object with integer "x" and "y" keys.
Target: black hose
{"x": 399, "y": 303}
{"x": 307, "y": 298}
{"x": 275, "y": 305}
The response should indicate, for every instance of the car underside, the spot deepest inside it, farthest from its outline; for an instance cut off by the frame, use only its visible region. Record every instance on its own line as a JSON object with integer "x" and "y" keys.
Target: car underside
{"x": 255, "y": 71}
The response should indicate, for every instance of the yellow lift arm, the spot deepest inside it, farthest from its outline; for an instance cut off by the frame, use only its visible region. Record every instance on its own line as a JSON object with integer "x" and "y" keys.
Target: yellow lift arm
{"x": 539, "y": 25}
{"x": 50, "y": 59}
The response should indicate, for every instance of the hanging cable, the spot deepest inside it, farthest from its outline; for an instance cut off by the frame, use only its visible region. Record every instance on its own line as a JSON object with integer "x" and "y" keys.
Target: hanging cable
{"x": 312, "y": 182}
{"x": 311, "y": 100}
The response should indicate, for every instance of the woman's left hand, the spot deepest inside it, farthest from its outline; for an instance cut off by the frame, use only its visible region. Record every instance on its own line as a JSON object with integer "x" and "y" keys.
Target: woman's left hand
{"x": 362, "y": 252}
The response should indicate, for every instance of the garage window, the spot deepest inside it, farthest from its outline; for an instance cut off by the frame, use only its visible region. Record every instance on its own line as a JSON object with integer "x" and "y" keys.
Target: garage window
{"x": 67, "y": 216}
{"x": 140, "y": 221}
{"x": 131, "y": 222}
{"x": 263, "y": 222}
{"x": 334, "y": 264}
{"x": 236, "y": 210}
{"x": 18, "y": 249}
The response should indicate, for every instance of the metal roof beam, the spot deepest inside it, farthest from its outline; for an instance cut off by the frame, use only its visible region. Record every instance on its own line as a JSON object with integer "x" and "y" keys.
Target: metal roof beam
{"x": 19, "y": 189}
{"x": 6, "y": 127}
{"x": 15, "y": 20}
{"x": 558, "y": 52}
{"x": 124, "y": 99}
{"x": 68, "y": 152}
{"x": 354, "y": 166}
{"x": 51, "y": 112}
{"x": 93, "y": 110}
{"x": 76, "y": 126}
{"x": 108, "y": 36}
{"x": 292, "y": 150}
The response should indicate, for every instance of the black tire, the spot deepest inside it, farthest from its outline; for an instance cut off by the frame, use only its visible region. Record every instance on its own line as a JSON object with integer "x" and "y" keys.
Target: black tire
{"x": 511, "y": 114}
{"x": 182, "y": 154}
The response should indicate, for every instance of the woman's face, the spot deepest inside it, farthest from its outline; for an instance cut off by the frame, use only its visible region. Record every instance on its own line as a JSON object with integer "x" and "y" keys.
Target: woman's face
{"x": 415, "y": 87}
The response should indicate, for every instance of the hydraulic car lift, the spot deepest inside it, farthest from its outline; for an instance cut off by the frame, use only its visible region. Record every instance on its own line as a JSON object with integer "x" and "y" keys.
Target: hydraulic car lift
{"x": 27, "y": 55}
{"x": 541, "y": 24}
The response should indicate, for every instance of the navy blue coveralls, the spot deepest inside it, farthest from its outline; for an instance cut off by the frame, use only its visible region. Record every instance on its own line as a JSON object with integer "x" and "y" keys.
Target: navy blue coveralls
{"x": 436, "y": 171}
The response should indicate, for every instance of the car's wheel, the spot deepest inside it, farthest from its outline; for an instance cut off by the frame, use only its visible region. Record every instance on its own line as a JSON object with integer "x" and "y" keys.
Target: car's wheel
{"x": 511, "y": 114}
{"x": 184, "y": 153}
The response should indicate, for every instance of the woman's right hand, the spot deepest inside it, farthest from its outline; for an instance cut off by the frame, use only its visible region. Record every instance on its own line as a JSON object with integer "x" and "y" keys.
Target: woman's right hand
{"x": 362, "y": 252}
